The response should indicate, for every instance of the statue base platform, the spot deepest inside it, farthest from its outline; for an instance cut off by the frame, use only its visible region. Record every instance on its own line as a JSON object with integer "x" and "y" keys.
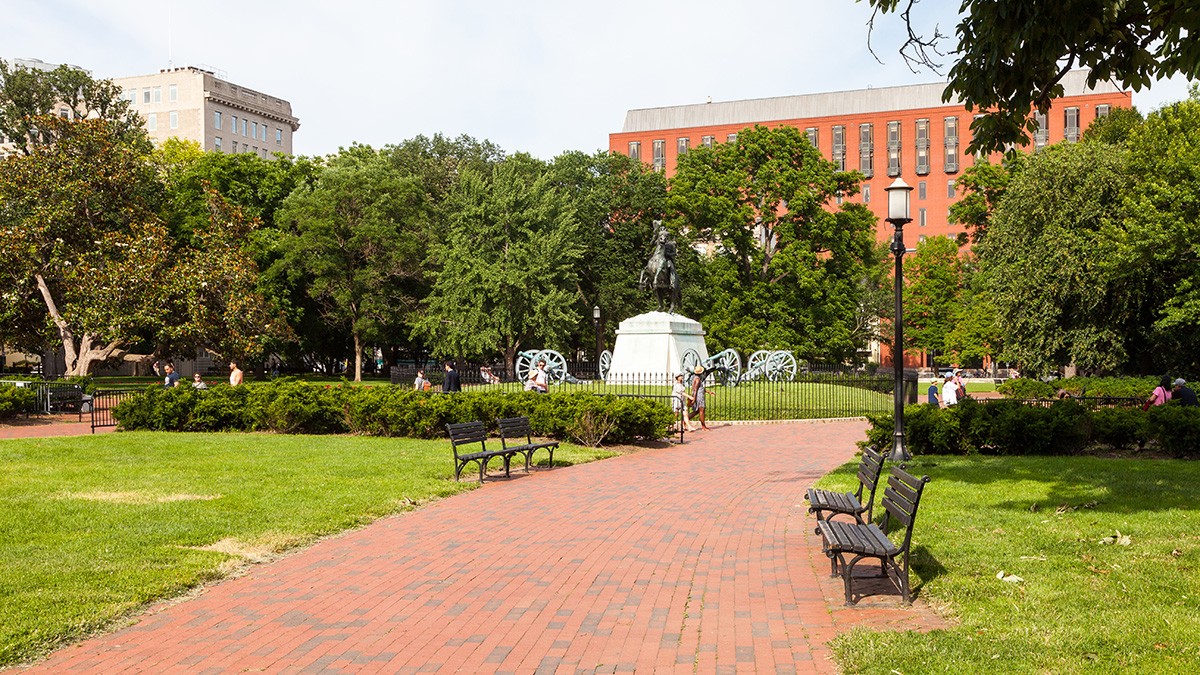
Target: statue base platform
{"x": 650, "y": 347}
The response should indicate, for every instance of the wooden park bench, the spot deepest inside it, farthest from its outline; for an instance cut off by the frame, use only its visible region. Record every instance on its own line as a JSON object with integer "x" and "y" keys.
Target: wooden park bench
{"x": 513, "y": 429}
{"x": 826, "y": 504}
{"x": 858, "y": 541}
{"x": 469, "y": 433}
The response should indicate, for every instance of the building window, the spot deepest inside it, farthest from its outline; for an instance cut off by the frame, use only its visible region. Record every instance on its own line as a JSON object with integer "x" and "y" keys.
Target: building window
{"x": 893, "y": 148}
{"x": 174, "y": 119}
{"x": 243, "y": 126}
{"x": 158, "y": 94}
{"x": 64, "y": 113}
{"x": 216, "y": 119}
{"x": 172, "y": 93}
{"x": 234, "y": 147}
{"x": 839, "y": 147}
{"x": 1071, "y": 126}
{"x": 1042, "y": 135}
{"x": 707, "y": 141}
{"x": 921, "y": 217}
{"x": 811, "y": 132}
{"x": 660, "y": 155}
{"x": 866, "y": 150}
{"x": 279, "y": 137}
{"x": 922, "y": 147}
{"x": 681, "y": 146}
{"x": 635, "y": 149}
{"x": 951, "y": 144}
{"x": 146, "y": 95}
{"x": 152, "y": 122}
{"x": 866, "y": 194}
{"x": 921, "y": 239}
{"x": 217, "y": 142}
{"x": 233, "y": 123}
{"x": 920, "y": 189}
{"x": 731, "y": 138}
{"x": 131, "y": 96}
{"x": 1103, "y": 110}
{"x": 951, "y": 189}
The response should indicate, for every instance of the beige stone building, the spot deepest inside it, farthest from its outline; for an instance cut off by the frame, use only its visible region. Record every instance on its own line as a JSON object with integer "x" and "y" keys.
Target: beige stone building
{"x": 194, "y": 104}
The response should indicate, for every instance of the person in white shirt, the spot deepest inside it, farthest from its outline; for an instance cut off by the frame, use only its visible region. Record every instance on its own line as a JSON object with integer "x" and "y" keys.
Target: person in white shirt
{"x": 949, "y": 392}
{"x": 681, "y": 401}
{"x": 538, "y": 380}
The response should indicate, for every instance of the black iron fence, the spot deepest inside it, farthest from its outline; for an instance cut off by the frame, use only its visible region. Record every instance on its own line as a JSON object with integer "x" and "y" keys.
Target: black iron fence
{"x": 52, "y": 397}
{"x": 102, "y": 404}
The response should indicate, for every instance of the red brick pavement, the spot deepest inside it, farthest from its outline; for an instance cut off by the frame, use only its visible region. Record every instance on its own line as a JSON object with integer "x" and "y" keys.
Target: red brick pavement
{"x": 697, "y": 558}
{"x": 47, "y": 426}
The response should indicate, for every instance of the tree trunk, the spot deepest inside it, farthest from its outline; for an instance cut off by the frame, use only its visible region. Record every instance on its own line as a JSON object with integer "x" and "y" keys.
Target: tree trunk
{"x": 357, "y": 358}
{"x": 78, "y": 357}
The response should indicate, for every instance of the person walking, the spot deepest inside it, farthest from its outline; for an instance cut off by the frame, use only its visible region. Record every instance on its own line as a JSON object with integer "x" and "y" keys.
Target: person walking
{"x": 681, "y": 402}
{"x": 698, "y": 395}
{"x": 933, "y": 398}
{"x": 1183, "y": 393}
{"x": 421, "y": 384}
{"x": 235, "y": 374}
{"x": 451, "y": 384}
{"x": 198, "y": 381}
{"x": 172, "y": 378}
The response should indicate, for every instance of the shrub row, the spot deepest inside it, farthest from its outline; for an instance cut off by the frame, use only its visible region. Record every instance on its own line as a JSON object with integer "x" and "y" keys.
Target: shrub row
{"x": 1063, "y": 428}
{"x": 1121, "y": 387}
{"x": 16, "y": 400}
{"x": 297, "y": 407}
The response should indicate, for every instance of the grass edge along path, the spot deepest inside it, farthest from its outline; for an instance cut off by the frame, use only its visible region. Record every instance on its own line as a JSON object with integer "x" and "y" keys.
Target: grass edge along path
{"x": 94, "y": 529}
{"x": 1076, "y": 597}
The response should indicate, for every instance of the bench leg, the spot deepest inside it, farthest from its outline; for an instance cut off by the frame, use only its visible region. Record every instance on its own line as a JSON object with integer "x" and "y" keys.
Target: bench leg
{"x": 482, "y": 468}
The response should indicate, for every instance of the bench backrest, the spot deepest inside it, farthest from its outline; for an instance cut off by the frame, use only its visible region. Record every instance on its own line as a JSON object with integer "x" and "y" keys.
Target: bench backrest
{"x": 900, "y": 500}
{"x": 513, "y": 428}
{"x": 463, "y": 433}
{"x": 869, "y": 471}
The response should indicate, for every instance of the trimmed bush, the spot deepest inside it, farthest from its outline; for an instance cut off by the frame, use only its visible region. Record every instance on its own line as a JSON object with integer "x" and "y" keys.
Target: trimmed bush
{"x": 1064, "y": 428}
{"x": 16, "y": 400}
{"x": 1024, "y": 387}
{"x": 297, "y": 407}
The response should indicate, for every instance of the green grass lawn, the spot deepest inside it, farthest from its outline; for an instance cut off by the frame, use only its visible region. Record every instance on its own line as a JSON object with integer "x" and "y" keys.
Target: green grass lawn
{"x": 1084, "y": 606}
{"x": 94, "y": 528}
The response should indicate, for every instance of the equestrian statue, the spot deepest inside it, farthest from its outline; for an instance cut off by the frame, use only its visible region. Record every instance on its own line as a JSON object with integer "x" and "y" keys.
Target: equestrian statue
{"x": 659, "y": 274}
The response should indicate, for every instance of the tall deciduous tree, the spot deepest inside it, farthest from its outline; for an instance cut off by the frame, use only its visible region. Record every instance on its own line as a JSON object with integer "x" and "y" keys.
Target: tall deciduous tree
{"x": 932, "y": 293}
{"x": 788, "y": 264}
{"x": 1012, "y": 56}
{"x": 507, "y": 272}
{"x": 356, "y": 233}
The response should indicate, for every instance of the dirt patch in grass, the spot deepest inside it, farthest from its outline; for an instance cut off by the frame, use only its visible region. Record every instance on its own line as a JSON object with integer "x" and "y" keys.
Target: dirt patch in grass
{"x": 136, "y": 497}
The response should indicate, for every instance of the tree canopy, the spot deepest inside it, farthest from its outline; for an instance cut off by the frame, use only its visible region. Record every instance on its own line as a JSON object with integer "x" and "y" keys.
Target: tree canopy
{"x": 1011, "y": 56}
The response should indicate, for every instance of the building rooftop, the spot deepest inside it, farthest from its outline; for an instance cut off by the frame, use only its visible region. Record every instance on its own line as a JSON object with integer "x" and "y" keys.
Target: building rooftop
{"x": 828, "y": 104}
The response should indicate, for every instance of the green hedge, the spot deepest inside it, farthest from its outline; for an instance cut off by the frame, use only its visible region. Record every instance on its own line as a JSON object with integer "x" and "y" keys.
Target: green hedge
{"x": 16, "y": 400}
{"x": 1121, "y": 387}
{"x": 297, "y": 407}
{"x": 1063, "y": 428}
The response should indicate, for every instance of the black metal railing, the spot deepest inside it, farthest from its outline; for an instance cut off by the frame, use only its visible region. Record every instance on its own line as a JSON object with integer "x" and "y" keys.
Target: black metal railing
{"x": 102, "y": 404}
{"x": 52, "y": 396}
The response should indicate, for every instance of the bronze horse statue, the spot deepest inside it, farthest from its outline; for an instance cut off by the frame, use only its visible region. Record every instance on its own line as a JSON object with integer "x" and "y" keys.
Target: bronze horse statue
{"x": 659, "y": 274}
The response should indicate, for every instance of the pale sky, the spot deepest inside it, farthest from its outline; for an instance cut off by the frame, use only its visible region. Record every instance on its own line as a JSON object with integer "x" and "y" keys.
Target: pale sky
{"x": 537, "y": 76}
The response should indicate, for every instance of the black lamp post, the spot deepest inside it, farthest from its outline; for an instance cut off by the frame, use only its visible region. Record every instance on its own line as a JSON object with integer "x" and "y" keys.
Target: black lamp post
{"x": 599, "y": 339}
{"x": 898, "y": 196}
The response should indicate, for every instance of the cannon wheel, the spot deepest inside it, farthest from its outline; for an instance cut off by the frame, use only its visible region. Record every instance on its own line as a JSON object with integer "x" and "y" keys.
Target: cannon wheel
{"x": 556, "y": 365}
{"x": 691, "y": 359}
{"x": 730, "y": 363}
{"x": 526, "y": 362}
{"x": 756, "y": 364}
{"x": 605, "y": 364}
{"x": 781, "y": 366}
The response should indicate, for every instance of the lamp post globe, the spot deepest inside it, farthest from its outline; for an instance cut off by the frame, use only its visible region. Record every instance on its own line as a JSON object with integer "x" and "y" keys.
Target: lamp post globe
{"x": 898, "y": 194}
{"x": 599, "y": 338}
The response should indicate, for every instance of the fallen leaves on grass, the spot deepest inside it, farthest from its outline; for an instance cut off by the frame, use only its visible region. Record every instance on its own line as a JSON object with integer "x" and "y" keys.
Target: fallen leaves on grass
{"x": 1009, "y": 578}
{"x": 1118, "y": 539}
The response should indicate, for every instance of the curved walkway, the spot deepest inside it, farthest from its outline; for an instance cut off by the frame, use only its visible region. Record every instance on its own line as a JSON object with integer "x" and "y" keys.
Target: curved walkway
{"x": 698, "y": 558}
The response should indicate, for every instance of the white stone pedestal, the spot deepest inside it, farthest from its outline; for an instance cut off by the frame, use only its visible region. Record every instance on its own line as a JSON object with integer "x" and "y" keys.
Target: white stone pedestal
{"x": 650, "y": 346}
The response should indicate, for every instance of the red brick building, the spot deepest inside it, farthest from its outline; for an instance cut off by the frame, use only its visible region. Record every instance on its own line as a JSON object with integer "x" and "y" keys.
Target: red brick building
{"x": 885, "y": 133}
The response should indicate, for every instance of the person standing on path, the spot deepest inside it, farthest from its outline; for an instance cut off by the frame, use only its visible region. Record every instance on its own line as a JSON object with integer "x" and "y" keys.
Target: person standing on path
{"x": 949, "y": 392}
{"x": 172, "y": 378}
{"x": 198, "y": 381}
{"x": 698, "y": 392}
{"x": 681, "y": 401}
{"x": 235, "y": 374}
{"x": 539, "y": 380}
{"x": 451, "y": 384}
{"x": 934, "y": 399}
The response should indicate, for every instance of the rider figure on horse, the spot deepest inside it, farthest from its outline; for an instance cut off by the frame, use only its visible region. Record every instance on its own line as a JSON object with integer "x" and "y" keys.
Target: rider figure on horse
{"x": 659, "y": 273}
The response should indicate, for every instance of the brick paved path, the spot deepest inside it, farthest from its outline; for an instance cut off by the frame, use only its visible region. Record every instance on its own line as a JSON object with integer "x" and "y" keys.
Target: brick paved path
{"x": 698, "y": 558}
{"x": 49, "y": 425}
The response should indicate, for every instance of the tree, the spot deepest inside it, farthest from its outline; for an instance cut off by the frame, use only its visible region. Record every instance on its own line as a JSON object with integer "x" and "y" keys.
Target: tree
{"x": 1048, "y": 264}
{"x": 787, "y": 267}
{"x": 933, "y": 293}
{"x": 982, "y": 187}
{"x": 616, "y": 201}
{"x": 506, "y": 276}
{"x": 1012, "y": 56}
{"x": 356, "y": 233}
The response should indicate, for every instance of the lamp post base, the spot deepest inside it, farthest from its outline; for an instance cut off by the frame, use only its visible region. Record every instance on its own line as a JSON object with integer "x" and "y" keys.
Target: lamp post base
{"x": 899, "y": 451}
